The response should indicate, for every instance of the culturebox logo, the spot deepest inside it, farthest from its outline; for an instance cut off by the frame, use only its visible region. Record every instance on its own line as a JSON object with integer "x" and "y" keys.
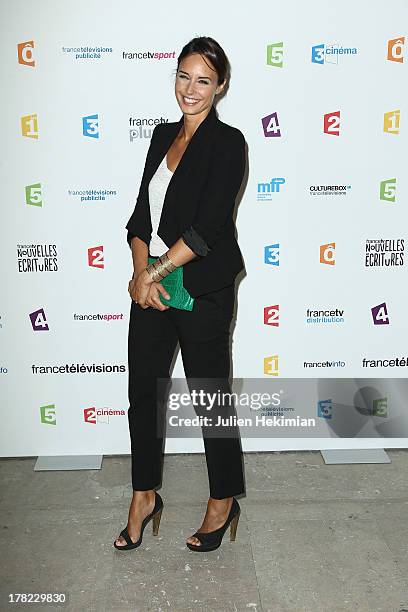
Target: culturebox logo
{"x": 325, "y": 316}
{"x": 92, "y": 194}
{"x": 95, "y": 415}
{"x": 274, "y": 54}
{"x": 380, "y": 314}
{"x": 329, "y": 190}
{"x": 37, "y": 258}
{"x": 331, "y": 123}
{"x": 87, "y": 53}
{"x": 33, "y": 195}
{"x": 326, "y": 253}
{"x": 388, "y": 190}
{"x": 29, "y": 126}
{"x": 270, "y": 126}
{"x": 25, "y": 53}
{"x": 391, "y": 122}
{"x": 271, "y": 254}
{"x": 142, "y": 127}
{"x": 271, "y": 365}
{"x": 265, "y": 191}
{"x": 395, "y": 49}
{"x": 330, "y": 53}
{"x": 384, "y": 252}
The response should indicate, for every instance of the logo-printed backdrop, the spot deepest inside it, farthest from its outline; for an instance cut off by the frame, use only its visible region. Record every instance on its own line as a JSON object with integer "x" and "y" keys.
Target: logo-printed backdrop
{"x": 320, "y": 95}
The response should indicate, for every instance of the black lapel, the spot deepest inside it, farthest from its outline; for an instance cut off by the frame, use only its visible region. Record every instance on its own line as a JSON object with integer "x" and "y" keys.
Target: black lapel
{"x": 169, "y": 134}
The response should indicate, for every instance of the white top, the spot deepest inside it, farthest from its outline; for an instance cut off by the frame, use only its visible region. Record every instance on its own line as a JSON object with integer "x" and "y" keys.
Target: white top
{"x": 157, "y": 191}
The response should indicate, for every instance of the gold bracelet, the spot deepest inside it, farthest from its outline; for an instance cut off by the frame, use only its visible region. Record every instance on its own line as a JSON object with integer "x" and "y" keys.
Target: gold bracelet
{"x": 160, "y": 268}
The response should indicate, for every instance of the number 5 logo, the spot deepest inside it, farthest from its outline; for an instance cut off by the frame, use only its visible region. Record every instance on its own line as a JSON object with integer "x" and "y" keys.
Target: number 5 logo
{"x": 387, "y": 190}
{"x": 274, "y": 54}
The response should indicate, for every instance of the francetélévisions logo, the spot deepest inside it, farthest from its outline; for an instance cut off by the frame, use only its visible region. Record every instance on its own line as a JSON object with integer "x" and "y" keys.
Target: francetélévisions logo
{"x": 37, "y": 258}
{"x": 384, "y": 252}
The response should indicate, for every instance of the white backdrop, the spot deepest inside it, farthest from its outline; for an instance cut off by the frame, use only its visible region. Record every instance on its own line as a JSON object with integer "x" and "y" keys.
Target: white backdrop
{"x": 51, "y": 155}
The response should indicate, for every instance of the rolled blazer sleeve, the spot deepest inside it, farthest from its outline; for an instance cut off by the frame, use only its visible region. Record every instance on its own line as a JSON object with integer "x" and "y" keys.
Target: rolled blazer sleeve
{"x": 217, "y": 199}
{"x": 138, "y": 222}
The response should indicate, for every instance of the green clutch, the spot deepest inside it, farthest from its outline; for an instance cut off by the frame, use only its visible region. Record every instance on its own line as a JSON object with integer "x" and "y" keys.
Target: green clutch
{"x": 173, "y": 283}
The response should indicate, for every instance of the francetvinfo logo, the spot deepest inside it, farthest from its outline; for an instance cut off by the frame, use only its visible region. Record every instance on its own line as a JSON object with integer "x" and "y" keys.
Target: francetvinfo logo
{"x": 25, "y": 53}
{"x": 142, "y": 127}
{"x": 384, "y": 252}
{"x": 37, "y": 258}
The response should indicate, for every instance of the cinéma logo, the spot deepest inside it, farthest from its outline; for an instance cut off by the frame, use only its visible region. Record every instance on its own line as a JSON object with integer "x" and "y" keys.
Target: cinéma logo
{"x": 388, "y": 189}
{"x": 274, "y": 54}
{"x": 48, "y": 415}
{"x": 37, "y": 258}
{"x": 29, "y": 126}
{"x": 266, "y": 190}
{"x": 25, "y": 53}
{"x": 326, "y": 255}
{"x": 380, "y": 314}
{"x": 325, "y": 409}
{"x": 395, "y": 49}
{"x": 392, "y": 122}
{"x": 271, "y": 254}
{"x": 95, "y": 415}
{"x": 270, "y": 125}
{"x": 271, "y": 365}
{"x": 384, "y": 252}
{"x": 142, "y": 127}
{"x": 331, "y": 123}
{"x": 38, "y": 320}
{"x": 90, "y": 126}
{"x": 96, "y": 257}
{"x": 330, "y": 53}
{"x": 271, "y": 315}
{"x": 33, "y": 194}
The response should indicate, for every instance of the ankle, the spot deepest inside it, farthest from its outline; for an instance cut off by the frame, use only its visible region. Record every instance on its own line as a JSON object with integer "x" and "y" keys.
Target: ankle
{"x": 144, "y": 495}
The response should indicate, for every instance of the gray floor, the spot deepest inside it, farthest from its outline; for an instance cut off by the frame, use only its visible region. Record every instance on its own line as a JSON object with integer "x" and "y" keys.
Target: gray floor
{"x": 311, "y": 537}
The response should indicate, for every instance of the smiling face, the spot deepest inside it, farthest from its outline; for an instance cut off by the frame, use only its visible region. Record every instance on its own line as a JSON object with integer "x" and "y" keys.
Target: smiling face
{"x": 196, "y": 84}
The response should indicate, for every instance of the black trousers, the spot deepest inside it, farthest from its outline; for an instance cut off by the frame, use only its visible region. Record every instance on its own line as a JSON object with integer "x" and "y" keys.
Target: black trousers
{"x": 204, "y": 337}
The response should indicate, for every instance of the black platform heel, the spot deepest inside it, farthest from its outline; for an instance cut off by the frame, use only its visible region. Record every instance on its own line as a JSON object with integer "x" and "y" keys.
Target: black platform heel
{"x": 212, "y": 539}
{"x": 155, "y": 515}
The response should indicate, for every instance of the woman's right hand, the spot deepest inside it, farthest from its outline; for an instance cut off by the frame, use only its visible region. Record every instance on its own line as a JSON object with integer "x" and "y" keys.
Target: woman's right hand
{"x": 143, "y": 290}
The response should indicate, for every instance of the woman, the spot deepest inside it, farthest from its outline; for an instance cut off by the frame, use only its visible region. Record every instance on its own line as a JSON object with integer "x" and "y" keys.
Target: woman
{"x": 183, "y": 217}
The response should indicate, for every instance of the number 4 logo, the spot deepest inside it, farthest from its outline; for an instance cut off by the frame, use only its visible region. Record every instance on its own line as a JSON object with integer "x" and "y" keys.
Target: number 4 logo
{"x": 271, "y": 127}
{"x": 38, "y": 320}
{"x": 380, "y": 314}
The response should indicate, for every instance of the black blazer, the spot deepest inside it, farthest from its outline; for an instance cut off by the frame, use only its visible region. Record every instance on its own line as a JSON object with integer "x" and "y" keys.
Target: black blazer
{"x": 199, "y": 202}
